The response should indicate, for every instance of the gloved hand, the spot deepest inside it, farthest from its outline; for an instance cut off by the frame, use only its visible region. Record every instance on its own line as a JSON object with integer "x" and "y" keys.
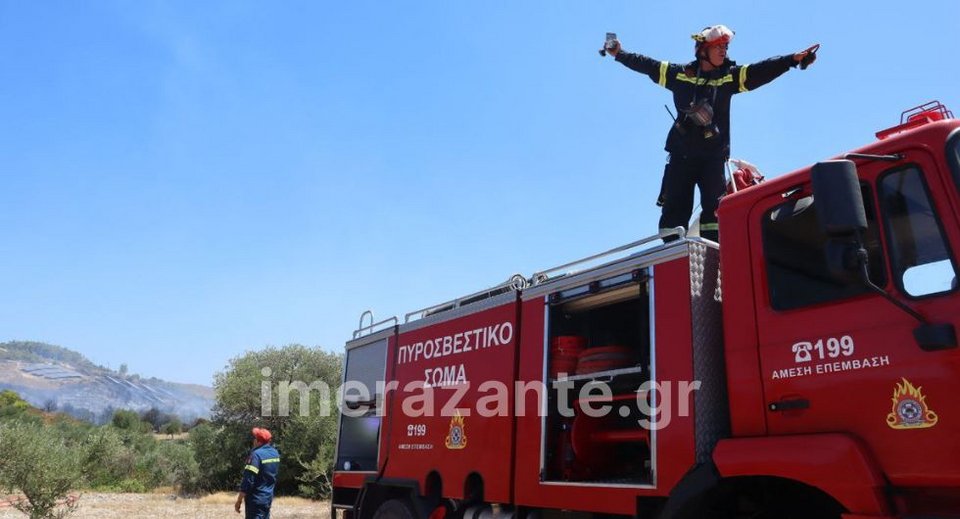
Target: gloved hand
{"x": 806, "y": 57}
{"x": 613, "y": 49}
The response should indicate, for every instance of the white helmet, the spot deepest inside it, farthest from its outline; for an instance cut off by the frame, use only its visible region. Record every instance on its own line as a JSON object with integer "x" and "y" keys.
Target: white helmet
{"x": 713, "y": 35}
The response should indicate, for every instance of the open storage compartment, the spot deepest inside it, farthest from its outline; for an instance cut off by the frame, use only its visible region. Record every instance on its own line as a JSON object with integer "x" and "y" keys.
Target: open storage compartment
{"x": 598, "y": 355}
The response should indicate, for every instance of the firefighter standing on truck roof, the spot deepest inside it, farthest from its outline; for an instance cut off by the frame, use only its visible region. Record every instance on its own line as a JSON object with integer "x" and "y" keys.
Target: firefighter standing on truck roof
{"x": 699, "y": 140}
{"x": 259, "y": 477}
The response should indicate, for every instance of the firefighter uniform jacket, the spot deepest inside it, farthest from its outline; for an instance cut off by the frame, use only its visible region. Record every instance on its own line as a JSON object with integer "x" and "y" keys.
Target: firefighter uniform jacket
{"x": 260, "y": 475}
{"x": 718, "y": 86}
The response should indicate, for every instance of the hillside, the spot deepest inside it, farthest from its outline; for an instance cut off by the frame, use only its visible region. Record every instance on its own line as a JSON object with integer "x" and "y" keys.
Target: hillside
{"x": 52, "y": 377}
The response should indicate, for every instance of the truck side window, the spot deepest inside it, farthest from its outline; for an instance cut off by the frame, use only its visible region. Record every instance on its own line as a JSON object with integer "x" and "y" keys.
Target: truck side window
{"x": 794, "y": 248}
{"x": 918, "y": 252}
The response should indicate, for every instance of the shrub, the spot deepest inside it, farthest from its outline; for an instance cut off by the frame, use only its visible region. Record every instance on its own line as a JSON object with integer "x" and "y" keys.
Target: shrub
{"x": 173, "y": 427}
{"x": 11, "y": 405}
{"x": 37, "y": 463}
{"x": 129, "y": 421}
{"x": 171, "y": 464}
{"x": 214, "y": 457}
{"x": 106, "y": 461}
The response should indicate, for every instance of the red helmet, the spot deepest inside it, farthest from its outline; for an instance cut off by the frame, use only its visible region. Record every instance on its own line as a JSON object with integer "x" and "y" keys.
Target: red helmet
{"x": 262, "y": 435}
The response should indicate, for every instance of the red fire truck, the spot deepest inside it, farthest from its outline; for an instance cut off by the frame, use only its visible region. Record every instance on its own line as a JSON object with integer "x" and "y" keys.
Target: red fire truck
{"x": 807, "y": 368}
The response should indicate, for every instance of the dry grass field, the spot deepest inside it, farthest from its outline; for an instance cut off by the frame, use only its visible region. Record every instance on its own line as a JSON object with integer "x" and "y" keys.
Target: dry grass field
{"x": 129, "y": 506}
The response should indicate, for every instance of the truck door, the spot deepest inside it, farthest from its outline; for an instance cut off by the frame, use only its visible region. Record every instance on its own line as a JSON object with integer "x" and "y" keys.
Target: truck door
{"x": 358, "y": 444}
{"x": 836, "y": 356}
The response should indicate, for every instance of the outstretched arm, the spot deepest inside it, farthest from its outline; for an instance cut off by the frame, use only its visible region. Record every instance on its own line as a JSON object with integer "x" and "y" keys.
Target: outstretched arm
{"x": 656, "y": 70}
{"x": 754, "y": 76}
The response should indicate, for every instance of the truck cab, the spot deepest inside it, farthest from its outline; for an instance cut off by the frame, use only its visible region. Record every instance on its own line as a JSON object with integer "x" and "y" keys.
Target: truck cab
{"x": 821, "y": 361}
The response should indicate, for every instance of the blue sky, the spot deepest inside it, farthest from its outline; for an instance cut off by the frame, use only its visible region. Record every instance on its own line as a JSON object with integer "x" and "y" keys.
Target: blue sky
{"x": 184, "y": 181}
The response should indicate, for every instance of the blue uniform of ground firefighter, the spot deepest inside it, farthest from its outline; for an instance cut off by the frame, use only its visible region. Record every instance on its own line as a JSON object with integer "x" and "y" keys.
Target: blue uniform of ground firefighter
{"x": 259, "y": 479}
{"x": 699, "y": 151}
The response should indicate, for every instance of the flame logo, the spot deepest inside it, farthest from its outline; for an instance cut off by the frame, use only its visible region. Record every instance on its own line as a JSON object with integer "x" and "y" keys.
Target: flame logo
{"x": 910, "y": 410}
{"x": 457, "y": 437}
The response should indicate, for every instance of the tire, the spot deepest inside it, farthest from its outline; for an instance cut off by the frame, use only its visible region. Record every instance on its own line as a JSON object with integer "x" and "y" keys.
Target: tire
{"x": 394, "y": 509}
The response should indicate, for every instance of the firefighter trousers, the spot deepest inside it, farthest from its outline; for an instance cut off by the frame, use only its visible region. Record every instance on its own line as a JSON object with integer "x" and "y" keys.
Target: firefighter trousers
{"x": 682, "y": 174}
{"x": 255, "y": 511}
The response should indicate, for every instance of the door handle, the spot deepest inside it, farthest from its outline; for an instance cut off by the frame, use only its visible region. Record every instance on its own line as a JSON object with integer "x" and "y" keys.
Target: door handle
{"x": 789, "y": 404}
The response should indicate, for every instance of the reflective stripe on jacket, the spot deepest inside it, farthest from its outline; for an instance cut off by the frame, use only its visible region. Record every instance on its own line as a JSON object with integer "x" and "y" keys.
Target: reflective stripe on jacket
{"x": 719, "y": 85}
{"x": 260, "y": 474}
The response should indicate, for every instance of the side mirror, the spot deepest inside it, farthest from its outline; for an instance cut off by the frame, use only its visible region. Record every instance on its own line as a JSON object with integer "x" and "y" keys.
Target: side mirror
{"x": 839, "y": 202}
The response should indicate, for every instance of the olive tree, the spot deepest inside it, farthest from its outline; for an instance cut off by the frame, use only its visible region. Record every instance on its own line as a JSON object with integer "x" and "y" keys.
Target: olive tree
{"x": 251, "y": 392}
{"x": 38, "y": 464}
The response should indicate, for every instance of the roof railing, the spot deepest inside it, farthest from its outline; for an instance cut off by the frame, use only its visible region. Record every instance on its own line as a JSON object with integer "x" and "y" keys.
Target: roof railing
{"x": 916, "y": 117}
{"x": 373, "y": 326}
{"x": 543, "y": 276}
{"x": 516, "y": 282}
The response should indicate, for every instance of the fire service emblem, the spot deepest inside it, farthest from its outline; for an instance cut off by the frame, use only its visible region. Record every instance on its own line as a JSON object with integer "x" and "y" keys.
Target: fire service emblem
{"x": 457, "y": 437}
{"x": 910, "y": 409}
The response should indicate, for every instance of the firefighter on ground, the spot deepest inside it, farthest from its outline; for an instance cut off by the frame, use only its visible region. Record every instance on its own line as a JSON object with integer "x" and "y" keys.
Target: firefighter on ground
{"x": 259, "y": 477}
{"x": 699, "y": 140}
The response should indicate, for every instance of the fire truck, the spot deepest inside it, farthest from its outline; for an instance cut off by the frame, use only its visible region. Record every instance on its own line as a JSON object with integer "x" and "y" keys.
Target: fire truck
{"x": 807, "y": 368}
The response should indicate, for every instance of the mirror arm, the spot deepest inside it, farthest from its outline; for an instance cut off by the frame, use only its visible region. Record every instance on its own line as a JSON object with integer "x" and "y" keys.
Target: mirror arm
{"x": 862, "y": 257}
{"x": 930, "y": 337}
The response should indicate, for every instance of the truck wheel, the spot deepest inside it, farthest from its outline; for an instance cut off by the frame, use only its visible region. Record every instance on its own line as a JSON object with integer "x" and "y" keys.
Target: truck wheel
{"x": 394, "y": 509}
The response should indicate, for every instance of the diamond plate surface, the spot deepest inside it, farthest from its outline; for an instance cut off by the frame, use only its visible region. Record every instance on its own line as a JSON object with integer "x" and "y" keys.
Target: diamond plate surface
{"x": 698, "y": 252}
{"x": 718, "y": 293}
{"x": 712, "y": 417}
